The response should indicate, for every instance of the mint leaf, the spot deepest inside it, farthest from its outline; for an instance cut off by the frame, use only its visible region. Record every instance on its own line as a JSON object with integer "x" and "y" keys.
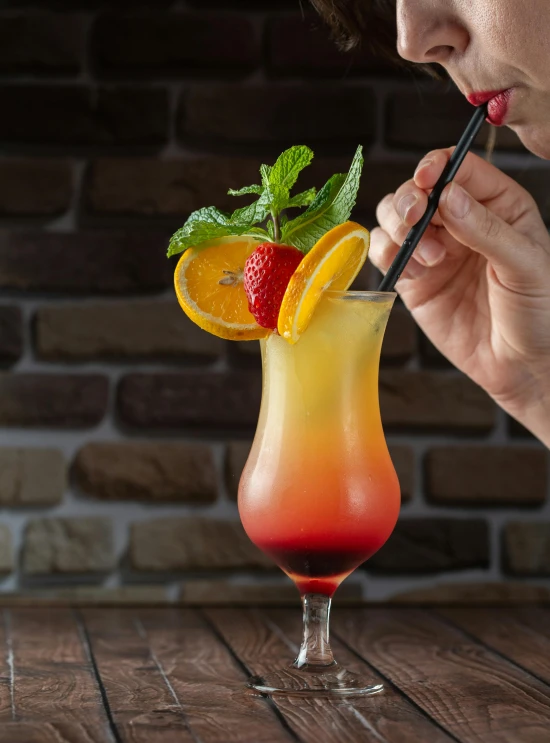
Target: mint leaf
{"x": 332, "y": 206}
{"x": 253, "y": 213}
{"x": 245, "y": 190}
{"x": 289, "y": 165}
{"x": 303, "y": 199}
{"x": 210, "y": 223}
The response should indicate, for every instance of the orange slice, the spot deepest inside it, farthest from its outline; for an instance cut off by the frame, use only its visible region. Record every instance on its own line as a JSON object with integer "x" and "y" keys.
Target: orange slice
{"x": 332, "y": 263}
{"x": 209, "y": 287}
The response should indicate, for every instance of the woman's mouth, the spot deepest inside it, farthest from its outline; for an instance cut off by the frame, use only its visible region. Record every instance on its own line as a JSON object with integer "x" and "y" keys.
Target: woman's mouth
{"x": 499, "y": 102}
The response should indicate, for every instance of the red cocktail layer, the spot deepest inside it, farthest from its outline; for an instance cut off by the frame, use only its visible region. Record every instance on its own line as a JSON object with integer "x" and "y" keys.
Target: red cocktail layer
{"x": 319, "y": 569}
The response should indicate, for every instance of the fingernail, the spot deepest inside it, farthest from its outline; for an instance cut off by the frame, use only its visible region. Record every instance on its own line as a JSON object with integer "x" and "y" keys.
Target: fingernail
{"x": 423, "y": 164}
{"x": 405, "y": 203}
{"x": 458, "y": 201}
{"x": 430, "y": 252}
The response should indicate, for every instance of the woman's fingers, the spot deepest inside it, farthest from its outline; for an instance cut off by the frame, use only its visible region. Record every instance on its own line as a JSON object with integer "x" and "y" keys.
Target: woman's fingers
{"x": 383, "y": 250}
{"x": 431, "y": 251}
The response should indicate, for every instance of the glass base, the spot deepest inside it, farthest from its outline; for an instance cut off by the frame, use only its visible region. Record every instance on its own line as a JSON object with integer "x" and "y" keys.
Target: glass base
{"x": 311, "y": 680}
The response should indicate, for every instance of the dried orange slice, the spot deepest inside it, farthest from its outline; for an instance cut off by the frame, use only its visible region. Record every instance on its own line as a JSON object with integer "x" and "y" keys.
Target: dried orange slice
{"x": 332, "y": 263}
{"x": 209, "y": 287}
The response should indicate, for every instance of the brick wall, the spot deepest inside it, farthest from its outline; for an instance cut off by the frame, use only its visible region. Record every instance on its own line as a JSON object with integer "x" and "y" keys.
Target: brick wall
{"x": 123, "y": 427}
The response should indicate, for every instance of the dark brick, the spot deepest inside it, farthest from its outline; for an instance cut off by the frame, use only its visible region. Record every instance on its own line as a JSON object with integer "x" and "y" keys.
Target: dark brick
{"x": 298, "y": 45}
{"x": 205, "y": 400}
{"x": 70, "y": 115}
{"x": 403, "y": 461}
{"x": 400, "y": 336}
{"x": 286, "y": 115}
{"x": 165, "y": 188}
{"x": 432, "y": 545}
{"x": 427, "y": 120}
{"x": 87, "y": 262}
{"x": 193, "y": 544}
{"x": 235, "y": 460}
{"x": 35, "y": 187}
{"x": 174, "y": 45}
{"x": 537, "y": 182}
{"x": 481, "y": 476}
{"x": 41, "y": 44}
{"x": 430, "y": 356}
{"x": 147, "y": 471}
{"x": 130, "y": 329}
{"x": 54, "y": 400}
{"x": 526, "y": 548}
{"x": 431, "y": 401}
{"x": 11, "y": 334}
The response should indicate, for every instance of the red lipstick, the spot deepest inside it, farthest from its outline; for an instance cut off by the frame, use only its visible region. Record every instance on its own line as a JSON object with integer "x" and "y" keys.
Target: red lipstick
{"x": 498, "y": 104}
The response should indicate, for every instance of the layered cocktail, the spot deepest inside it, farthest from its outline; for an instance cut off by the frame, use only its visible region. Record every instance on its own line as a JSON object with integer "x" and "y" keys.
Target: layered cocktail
{"x": 319, "y": 493}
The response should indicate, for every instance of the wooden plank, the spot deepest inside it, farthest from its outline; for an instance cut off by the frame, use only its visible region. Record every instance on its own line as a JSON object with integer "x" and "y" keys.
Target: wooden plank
{"x": 6, "y": 675}
{"x": 62, "y": 732}
{"x": 208, "y": 681}
{"x": 53, "y": 678}
{"x": 140, "y": 701}
{"x": 267, "y": 641}
{"x": 523, "y": 635}
{"x": 473, "y": 693}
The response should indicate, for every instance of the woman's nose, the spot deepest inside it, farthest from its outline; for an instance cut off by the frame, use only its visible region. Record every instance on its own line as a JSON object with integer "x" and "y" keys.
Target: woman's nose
{"x": 427, "y": 31}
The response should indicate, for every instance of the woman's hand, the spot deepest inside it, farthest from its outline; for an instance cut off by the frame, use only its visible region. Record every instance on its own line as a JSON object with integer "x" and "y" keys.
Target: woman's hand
{"x": 479, "y": 282}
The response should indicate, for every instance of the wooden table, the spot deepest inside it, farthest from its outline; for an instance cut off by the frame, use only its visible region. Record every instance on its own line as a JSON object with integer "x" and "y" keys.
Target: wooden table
{"x": 176, "y": 676}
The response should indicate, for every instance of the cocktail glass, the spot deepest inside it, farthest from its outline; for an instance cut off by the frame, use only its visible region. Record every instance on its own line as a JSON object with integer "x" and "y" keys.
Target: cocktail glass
{"x": 319, "y": 493}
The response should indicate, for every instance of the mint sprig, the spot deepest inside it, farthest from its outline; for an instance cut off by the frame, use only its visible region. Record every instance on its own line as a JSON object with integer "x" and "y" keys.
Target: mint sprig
{"x": 264, "y": 218}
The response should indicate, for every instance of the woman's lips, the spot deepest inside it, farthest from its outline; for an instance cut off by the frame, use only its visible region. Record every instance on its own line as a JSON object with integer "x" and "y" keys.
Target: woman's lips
{"x": 499, "y": 101}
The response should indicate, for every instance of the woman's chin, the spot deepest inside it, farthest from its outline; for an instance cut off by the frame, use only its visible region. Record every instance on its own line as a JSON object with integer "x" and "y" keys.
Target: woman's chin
{"x": 536, "y": 138}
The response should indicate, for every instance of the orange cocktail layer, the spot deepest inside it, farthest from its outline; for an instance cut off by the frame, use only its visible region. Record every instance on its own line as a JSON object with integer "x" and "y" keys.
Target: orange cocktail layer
{"x": 319, "y": 493}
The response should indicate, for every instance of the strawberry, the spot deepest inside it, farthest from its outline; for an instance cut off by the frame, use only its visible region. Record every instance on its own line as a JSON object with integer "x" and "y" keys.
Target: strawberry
{"x": 267, "y": 272}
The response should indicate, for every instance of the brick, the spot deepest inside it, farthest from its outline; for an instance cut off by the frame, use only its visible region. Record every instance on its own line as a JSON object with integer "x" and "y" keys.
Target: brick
{"x": 534, "y": 180}
{"x": 235, "y": 460}
{"x": 99, "y": 262}
{"x": 427, "y": 120}
{"x": 432, "y": 401}
{"x": 495, "y": 475}
{"x": 200, "y": 400}
{"x": 166, "y": 188}
{"x": 223, "y": 593}
{"x": 302, "y": 45}
{"x": 138, "y": 329}
{"x": 174, "y": 45}
{"x": 41, "y": 44}
{"x": 11, "y": 334}
{"x": 432, "y": 545}
{"x": 221, "y": 115}
{"x": 153, "y": 472}
{"x": 430, "y": 356}
{"x": 526, "y": 548}
{"x": 68, "y": 545}
{"x": 193, "y": 544}
{"x": 35, "y": 188}
{"x": 481, "y": 594}
{"x": 70, "y": 115}
{"x": 89, "y": 596}
{"x": 403, "y": 461}
{"x": 7, "y": 562}
{"x": 400, "y": 336}
{"x": 54, "y": 400}
{"x": 31, "y": 477}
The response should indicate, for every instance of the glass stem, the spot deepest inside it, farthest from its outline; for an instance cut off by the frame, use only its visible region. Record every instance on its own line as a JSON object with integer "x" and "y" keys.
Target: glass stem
{"x": 315, "y": 649}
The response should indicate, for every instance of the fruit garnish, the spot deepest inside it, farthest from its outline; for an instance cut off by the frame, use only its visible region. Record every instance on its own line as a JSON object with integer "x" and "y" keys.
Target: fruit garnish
{"x": 267, "y": 272}
{"x": 209, "y": 287}
{"x": 332, "y": 264}
{"x": 216, "y": 246}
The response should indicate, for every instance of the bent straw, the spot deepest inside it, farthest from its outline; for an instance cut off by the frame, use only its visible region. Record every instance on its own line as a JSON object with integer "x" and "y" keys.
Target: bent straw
{"x": 415, "y": 233}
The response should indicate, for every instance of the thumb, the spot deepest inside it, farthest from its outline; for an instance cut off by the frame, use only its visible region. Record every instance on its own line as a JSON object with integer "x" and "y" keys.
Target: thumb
{"x": 509, "y": 252}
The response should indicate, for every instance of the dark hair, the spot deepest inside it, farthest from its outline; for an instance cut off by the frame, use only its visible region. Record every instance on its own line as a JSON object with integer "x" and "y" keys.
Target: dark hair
{"x": 355, "y": 23}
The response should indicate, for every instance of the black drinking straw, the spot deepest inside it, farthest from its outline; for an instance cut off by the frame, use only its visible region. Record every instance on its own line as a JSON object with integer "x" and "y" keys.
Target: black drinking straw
{"x": 449, "y": 172}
